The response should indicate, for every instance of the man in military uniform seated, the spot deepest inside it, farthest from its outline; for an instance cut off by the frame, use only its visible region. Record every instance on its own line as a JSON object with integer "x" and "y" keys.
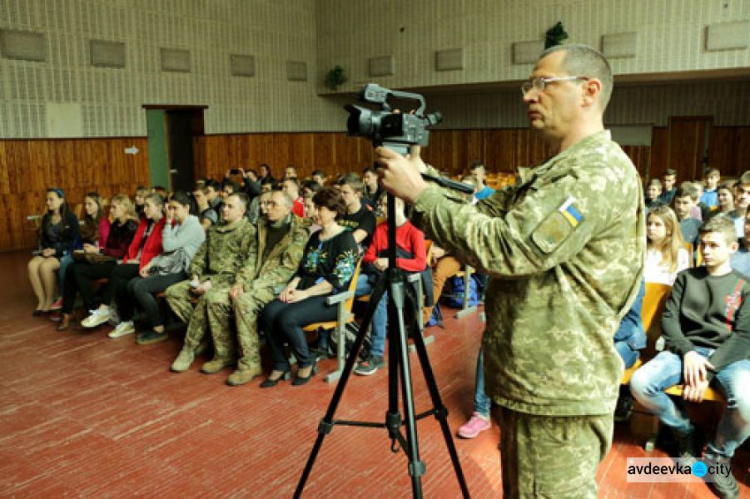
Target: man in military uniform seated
{"x": 274, "y": 255}
{"x": 213, "y": 271}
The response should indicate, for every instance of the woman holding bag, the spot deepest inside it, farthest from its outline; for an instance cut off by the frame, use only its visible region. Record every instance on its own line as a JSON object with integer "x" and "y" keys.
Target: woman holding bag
{"x": 181, "y": 237}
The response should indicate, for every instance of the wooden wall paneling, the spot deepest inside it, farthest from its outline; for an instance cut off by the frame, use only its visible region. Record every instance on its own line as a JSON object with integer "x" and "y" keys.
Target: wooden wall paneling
{"x": 4, "y": 168}
{"x": 742, "y": 158}
{"x": 365, "y": 154}
{"x": 686, "y": 137}
{"x": 302, "y": 153}
{"x": 323, "y": 148}
{"x": 474, "y": 140}
{"x": 723, "y": 150}
{"x": 659, "y": 152}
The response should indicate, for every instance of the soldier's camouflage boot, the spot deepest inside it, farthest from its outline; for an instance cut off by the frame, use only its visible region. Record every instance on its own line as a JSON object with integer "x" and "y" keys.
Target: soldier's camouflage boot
{"x": 216, "y": 364}
{"x": 183, "y": 360}
{"x": 242, "y": 376}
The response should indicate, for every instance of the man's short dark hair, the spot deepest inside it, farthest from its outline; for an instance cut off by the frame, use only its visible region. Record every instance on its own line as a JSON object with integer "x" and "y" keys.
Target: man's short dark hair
{"x": 711, "y": 171}
{"x": 475, "y": 165}
{"x": 213, "y": 184}
{"x": 686, "y": 189}
{"x": 720, "y": 224}
{"x": 230, "y": 183}
{"x": 352, "y": 180}
{"x": 242, "y": 197}
{"x": 311, "y": 185}
{"x": 331, "y": 199}
{"x": 581, "y": 60}
{"x": 670, "y": 171}
{"x": 319, "y": 173}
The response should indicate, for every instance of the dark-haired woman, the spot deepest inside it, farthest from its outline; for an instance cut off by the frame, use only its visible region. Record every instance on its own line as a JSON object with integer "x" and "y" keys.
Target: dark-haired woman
{"x": 60, "y": 232}
{"x": 145, "y": 246}
{"x": 181, "y": 237}
{"x": 94, "y": 228}
{"x": 78, "y": 276}
{"x": 327, "y": 267}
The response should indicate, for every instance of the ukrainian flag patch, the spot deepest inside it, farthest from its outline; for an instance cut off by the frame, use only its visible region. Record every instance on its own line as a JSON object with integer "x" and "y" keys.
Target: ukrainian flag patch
{"x": 571, "y": 212}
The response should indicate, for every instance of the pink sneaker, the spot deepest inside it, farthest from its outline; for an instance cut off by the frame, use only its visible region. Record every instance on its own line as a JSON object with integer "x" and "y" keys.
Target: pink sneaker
{"x": 474, "y": 426}
{"x": 57, "y": 305}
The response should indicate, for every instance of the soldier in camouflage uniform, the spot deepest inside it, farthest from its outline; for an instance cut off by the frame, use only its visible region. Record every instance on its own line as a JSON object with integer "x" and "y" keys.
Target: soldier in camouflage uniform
{"x": 214, "y": 267}
{"x": 564, "y": 249}
{"x": 274, "y": 256}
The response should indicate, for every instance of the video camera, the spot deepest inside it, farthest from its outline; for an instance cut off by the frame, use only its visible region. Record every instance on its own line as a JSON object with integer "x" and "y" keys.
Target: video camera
{"x": 395, "y": 130}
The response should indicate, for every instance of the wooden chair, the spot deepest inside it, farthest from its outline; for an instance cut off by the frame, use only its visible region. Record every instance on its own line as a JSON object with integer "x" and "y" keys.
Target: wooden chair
{"x": 344, "y": 302}
{"x": 654, "y": 302}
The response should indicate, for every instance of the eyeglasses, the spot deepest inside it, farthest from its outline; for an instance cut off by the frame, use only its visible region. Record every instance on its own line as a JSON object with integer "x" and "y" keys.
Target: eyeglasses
{"x": 540, "y": 84}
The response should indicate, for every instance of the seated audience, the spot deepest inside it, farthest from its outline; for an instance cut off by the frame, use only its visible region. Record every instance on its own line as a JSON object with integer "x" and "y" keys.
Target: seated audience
{"x": 668, "y": 187}
{"x": 250, "y": 184}
{"x": 140, "y": 197}
{"x": 372, "y": 190}
{"x": 327, "y": 267}
{"x": 181, "y": 236}
{"x": 213, "y": 192}
{"x": 265, "y": 173}
{"x": 207, "y": 215}
{"x": 710, "y": 195}
{"x": 93, "y": 228}
{"x": 666, "y": 254}
{"x": 684, "y": 201}
{"x": 706, "y": 325}
{"x": 228, "y": 187}
{"x": 146, "y": 244}
{"x": 311, "y": 213}
{"x": 725, "y": 196}
{"x": 741, "y": 258}
{"x": 359, "y": 219}
{"x": 290, "y": 172}
{"x": 96, "y": 262}
{"x": 653, "y": 194}
{"x": 320, "y": 177}
{"x": 741, "y": 202}
{"x": 309, "y": 187}
{"x": 59, "y": 234}
{"x": 291, "y": 187}
{"x": 411, "y": 257}
{"x": 478, "y": 172}
{"x": 213, "y": 271}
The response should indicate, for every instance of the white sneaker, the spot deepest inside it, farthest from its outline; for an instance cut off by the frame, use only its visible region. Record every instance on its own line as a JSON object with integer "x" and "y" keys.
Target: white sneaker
{"x": 122, "y": 329}
{"x": 114, "y": 319}
{"x": 97, "y": 318}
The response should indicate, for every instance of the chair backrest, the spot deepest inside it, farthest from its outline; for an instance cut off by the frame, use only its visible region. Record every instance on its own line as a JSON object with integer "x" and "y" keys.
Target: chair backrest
{"x": 353, "y": 285}
{"x": 654, "y": 302}
{"x": 428, "y": 251}
{"x": 689, "y": 248}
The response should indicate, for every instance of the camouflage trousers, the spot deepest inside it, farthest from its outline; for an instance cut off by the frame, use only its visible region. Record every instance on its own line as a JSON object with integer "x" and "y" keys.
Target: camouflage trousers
{"x": 551, "y": 456}
{"x": 247, "y": 309}
{"x": 211, "y": 313}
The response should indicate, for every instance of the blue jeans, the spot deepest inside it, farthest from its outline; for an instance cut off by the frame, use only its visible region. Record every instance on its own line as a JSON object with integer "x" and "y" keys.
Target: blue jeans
{"x": 64, "y": 264}
{"x": 482, "y": 403}
{"x": 628, "y": 355}
{"x": 379, "y": 319}
{"x": 649, "y": 382}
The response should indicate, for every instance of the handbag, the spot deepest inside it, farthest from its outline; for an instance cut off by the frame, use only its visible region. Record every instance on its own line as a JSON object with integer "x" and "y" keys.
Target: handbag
{"x": 92, "y": 258}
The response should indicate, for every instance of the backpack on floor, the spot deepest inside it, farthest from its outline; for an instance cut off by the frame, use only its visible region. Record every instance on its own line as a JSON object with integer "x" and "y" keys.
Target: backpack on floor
{"x": 351, "y": 330}
{"x": 456, "y": 298}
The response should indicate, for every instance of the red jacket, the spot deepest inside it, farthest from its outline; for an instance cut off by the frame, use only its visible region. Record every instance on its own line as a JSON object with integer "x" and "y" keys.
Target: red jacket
{"x": 151, "y": 248}
{"x": 408, "y": 238}
{"x": 299, "y": 207}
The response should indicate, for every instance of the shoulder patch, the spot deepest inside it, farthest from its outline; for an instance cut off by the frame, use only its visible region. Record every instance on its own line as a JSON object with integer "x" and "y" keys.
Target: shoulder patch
{"x": 557, "y": 226}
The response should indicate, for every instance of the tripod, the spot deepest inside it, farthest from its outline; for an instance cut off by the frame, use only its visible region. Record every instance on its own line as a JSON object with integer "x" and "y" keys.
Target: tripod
{"x": 399, "y": 371}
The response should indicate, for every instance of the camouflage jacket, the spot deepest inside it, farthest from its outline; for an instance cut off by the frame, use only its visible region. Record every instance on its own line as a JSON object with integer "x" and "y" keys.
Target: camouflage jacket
{"x": 222, "y": 253}
{"x": 282, "y": 260}
{"x": 564, "y": 249}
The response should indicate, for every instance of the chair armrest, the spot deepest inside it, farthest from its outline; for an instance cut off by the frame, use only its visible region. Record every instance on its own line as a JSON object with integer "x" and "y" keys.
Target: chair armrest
{"x": 339, "y": 297}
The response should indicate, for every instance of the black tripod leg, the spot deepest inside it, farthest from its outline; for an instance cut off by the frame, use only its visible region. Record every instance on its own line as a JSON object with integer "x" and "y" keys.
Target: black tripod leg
{"x": 396, "y": 310}
{"x": 441, "y": 413}
{"x": 326, "y": 424}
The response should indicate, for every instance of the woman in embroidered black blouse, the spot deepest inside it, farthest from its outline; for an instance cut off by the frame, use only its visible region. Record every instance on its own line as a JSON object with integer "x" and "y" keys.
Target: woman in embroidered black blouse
{"x": 327, "y": 267}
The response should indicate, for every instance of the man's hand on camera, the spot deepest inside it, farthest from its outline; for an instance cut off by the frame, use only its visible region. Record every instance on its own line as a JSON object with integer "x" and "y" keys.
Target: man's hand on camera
{"x": 401, "y": 176}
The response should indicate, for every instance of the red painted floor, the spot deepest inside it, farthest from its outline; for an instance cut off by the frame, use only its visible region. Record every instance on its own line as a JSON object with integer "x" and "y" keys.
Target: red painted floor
{"x": 84, "y": 415}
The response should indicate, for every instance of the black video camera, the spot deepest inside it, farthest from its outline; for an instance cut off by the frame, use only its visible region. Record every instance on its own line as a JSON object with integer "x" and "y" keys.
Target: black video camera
{"x": 397, "y": 131}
